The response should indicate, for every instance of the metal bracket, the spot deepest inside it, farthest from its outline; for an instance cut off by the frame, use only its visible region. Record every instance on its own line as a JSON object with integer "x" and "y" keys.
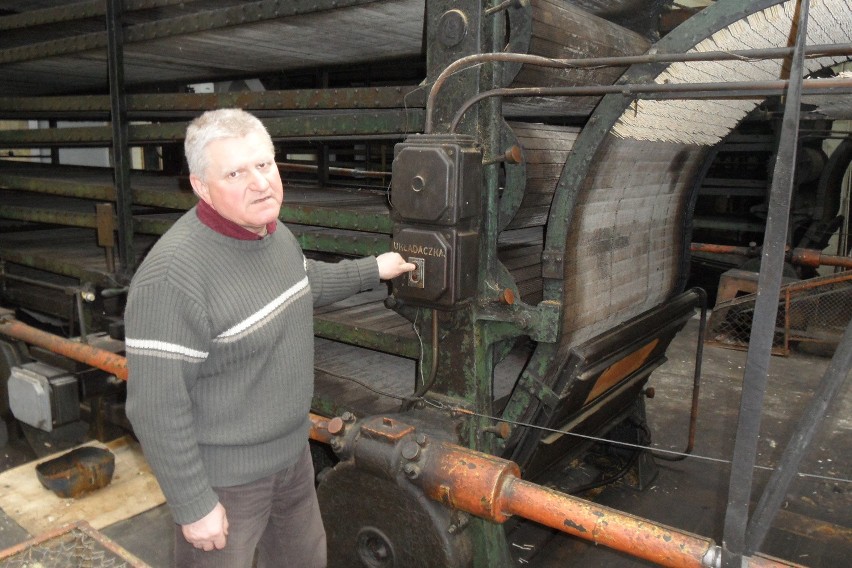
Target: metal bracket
{"x": 540, "y": 322}
{"x": 539, "y": 390}
{"x": 553, "y": 264}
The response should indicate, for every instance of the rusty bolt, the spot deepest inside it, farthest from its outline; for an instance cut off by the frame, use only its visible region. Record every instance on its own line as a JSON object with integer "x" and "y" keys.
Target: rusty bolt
{"x": 513, "y": 155}
{"x": 502, "y": 430}
{"x": 421, "y": 440}
{"x": 649, "y": 392}
{"x": 411, "y": 470}
{"x": 336, "y": 426}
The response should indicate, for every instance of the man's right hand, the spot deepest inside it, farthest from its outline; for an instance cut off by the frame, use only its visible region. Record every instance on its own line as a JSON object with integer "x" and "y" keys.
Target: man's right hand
{"x": 208, "y": 532}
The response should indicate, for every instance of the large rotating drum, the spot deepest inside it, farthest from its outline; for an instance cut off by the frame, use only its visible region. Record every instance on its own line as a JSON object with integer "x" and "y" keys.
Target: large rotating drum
{"x": 618, "y": 232}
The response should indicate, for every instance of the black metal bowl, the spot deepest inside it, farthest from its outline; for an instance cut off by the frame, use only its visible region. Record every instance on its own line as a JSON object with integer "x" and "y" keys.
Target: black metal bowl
{"x": 77, "y": 472}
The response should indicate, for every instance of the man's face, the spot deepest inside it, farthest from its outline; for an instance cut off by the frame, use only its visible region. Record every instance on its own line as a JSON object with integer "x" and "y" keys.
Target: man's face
{"x": 242, "y": 182}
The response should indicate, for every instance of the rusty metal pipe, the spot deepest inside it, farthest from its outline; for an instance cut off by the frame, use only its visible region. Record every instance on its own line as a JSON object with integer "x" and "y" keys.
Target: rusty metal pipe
{"x": 642, "y": 538}
{"x": 802, "y": 256}
{"x": 490, "y": 487}
{"x": 100, "y": 358}
{"x": 814, "y": 258}
{"x": 638, "y": 537}
{"x": 724, "y": 249}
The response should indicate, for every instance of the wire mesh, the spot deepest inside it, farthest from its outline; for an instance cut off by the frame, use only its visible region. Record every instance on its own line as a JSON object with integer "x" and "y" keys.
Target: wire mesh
{"x": 814, "y": 311}
{"x": 78, "y": 546}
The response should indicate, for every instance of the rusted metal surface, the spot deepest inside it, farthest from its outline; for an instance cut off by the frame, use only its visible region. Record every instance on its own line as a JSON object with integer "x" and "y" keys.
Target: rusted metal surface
{"x": 801, "y": 256}
{"x": 77, "y": 472}
{"x": 100, "y": 358}
{"x": 723, "y": 249}
{"x": 490, "y": 487}
{"x": 809, "y": 257}
{"x": 638, "y": 537}
{"x": 322, "y": 428}
{"x": 468, "y": 480}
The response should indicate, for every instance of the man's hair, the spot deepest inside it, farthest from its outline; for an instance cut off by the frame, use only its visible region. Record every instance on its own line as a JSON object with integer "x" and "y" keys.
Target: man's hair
{"x": 215, "y": 125}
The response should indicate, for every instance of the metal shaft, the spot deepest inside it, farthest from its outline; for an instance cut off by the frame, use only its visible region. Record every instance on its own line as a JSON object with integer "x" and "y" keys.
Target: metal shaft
{"x": 491, "y": 488}
{"x": 100, "y": 358}
{"x": 803, "y": 256}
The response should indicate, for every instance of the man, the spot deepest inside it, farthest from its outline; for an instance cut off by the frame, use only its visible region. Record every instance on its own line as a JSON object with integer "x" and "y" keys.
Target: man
{"x": 220, "y": 350}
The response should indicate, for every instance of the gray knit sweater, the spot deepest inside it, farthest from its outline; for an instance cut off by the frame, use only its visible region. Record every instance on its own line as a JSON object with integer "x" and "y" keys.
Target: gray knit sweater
{"x": 220, "y": 351}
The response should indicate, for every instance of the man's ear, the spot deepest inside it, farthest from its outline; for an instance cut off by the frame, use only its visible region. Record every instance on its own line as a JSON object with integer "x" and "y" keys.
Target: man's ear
{"x": 200, "y": 188}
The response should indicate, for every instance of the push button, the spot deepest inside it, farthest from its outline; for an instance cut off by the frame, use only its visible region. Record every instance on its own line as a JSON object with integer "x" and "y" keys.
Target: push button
{"x": 416, "y": 277}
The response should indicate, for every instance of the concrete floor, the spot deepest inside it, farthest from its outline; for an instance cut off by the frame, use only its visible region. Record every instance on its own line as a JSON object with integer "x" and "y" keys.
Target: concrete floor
{"x": 814, "y": 527}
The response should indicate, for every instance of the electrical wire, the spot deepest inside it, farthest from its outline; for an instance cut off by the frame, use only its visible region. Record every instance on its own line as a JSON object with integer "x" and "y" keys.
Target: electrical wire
{"x": 654, "y": 449}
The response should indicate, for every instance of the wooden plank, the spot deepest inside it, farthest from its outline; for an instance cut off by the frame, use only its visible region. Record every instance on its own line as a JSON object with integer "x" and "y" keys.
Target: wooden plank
{"x": 133, "y": 490}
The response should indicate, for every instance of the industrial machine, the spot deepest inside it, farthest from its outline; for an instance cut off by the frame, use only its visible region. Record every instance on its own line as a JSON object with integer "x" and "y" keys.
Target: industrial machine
{"x": 537, "y": 160}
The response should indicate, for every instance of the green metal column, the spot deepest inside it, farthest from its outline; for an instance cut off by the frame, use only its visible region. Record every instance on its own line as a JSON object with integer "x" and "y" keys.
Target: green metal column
{"x": 466, "y": 354}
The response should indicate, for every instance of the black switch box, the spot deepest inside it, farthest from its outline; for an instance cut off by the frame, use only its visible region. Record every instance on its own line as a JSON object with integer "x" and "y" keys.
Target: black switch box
{"x": 446, "y": 265}
{"x": 436, "y": 179}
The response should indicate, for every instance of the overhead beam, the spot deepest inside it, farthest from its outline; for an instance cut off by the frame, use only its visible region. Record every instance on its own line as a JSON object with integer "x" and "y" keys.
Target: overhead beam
{"x": 387, "y": 124}
{"x": 96, "y": 106}
{"x": 201, "y": 21}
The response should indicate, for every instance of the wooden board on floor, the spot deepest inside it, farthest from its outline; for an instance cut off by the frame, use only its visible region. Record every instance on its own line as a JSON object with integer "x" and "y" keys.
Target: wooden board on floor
{"x": 133, "y": 490}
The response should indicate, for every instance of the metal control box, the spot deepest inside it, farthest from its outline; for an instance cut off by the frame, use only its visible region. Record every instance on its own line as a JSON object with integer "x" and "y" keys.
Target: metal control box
{"x": 436, "y": 202}
{"x": 436, "y": 179}
{"x": 445, "y": 273}
{"x": 43, "y": 396}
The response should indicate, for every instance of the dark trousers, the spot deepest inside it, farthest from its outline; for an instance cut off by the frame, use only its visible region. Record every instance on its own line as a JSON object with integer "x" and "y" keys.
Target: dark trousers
{"x": 278, "y": 515}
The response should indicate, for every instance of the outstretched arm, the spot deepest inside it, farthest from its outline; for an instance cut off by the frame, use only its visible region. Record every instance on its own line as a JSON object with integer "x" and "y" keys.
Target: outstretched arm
{"x": 391, "y": 265}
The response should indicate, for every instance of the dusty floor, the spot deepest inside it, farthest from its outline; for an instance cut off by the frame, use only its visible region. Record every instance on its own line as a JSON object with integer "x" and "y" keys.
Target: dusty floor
{"x": 814, "y": 527}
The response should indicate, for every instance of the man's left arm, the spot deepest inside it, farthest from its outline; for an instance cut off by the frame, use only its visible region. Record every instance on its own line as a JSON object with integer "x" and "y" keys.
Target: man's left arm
{"x": 332, "y": 282}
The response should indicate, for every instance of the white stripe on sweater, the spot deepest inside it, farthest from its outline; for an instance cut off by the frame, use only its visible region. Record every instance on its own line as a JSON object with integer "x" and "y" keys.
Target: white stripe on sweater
{"x": 265, "y": 310}
{"x": 154, "y": 345}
